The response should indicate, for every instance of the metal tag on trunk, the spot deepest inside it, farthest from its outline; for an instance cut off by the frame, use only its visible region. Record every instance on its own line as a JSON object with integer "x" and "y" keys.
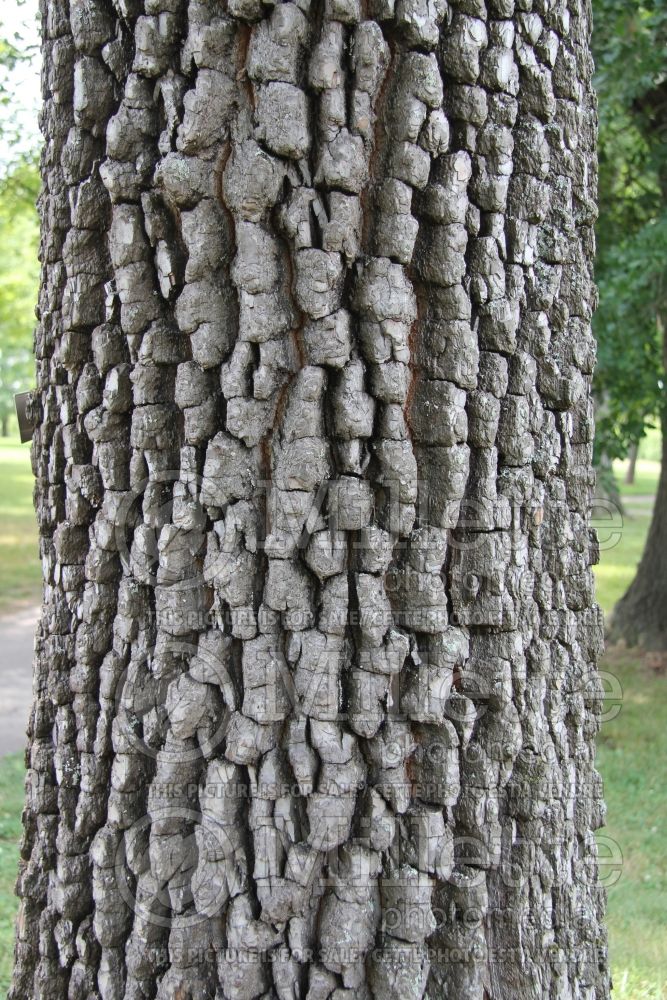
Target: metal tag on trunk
{"x": 26, "y": 426}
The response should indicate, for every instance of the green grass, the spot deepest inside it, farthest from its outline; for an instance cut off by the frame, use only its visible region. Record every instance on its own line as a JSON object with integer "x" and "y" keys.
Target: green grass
{"x": 20, "y": 577}
{"x": 11, "y": 804}
{"x": 631, "y": 755}
{"x": 646, "y": 477}
{"x": 632, "y": 748}
{"x": 622, "y": 535}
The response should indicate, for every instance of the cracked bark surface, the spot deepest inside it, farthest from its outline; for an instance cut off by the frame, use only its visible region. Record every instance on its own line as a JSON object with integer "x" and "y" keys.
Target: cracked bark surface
{"x": 315, "y": 691}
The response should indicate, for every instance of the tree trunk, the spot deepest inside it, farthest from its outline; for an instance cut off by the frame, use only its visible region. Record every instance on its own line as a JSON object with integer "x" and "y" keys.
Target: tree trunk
{"x": 639, "y": 617}
{"x": 632, "y": 465}
{"x": 315, "y": 675}
{"x": 4, "y": 426}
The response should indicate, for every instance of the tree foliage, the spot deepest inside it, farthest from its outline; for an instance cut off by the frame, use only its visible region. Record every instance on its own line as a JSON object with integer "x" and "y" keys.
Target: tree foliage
{"x": 19, "y": 279}
{"x": 18, "y": 50}
{"x": 631, "y": 57}
{"x": 19, "y": 227}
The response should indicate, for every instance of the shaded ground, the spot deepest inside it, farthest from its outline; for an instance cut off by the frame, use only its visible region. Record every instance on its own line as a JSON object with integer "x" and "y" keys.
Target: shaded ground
{"x": 17, "y": 630}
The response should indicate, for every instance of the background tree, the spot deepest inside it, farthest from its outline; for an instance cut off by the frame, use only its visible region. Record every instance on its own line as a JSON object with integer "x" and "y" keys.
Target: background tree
{"x": 19, "y": 282}
{"x": 315, "y": 674}
{"x": 632, "y": 235}
{"x": 629, "y": 50}
{"x": 19, "y": 188}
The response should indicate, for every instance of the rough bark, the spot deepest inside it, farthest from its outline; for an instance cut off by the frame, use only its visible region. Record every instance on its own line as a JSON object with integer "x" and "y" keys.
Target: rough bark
{"x": 315, "y": 691}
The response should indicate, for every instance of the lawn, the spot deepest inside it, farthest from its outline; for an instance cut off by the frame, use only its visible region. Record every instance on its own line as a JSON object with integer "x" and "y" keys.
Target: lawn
{"x": 11, "y": 804}
{"x": 632, "y": 749}
{"x": 622, "y": 533}
{"x": 646, "y": 475}
{"x": 631, "y": 755}
{"x": 20, "y": 578}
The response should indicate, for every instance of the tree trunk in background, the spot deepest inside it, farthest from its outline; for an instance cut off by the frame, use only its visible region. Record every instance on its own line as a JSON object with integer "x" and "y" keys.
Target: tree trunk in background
{"x": 639, "y": 617}
{"x": 315, "y": 676}
{"x": 606, "y": 487}
{"x": 632, "y": 465}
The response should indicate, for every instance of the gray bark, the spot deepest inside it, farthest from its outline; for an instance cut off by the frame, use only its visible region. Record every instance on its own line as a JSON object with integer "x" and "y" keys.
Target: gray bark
{"x": 315, "y": 694}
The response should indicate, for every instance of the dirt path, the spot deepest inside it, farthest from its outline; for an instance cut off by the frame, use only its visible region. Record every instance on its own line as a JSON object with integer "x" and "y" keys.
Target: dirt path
{"x": 17, "y": 631}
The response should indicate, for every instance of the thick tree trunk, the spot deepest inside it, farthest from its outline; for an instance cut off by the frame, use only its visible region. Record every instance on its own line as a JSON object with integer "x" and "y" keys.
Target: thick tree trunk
{"x": 632, "y": 465}
{"x": 315, "y": 675}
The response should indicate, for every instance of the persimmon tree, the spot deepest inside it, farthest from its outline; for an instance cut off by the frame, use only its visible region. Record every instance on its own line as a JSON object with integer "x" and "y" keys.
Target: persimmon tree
{"x": 315, "y": 689}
